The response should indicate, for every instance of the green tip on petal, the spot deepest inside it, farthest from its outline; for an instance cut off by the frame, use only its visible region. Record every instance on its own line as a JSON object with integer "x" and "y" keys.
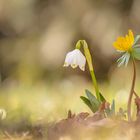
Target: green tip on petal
{"x": 65, "y": 64}
{"x": 73, "y": 66}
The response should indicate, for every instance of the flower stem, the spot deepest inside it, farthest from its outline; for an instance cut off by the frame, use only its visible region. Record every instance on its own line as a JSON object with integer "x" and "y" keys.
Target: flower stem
{"x": 95, "y": 84}
{"x": 136, "y": 94}
{"x": 131, "y": 91}
{"x": 91, "y": 68}
{"x": 82, "y": 43}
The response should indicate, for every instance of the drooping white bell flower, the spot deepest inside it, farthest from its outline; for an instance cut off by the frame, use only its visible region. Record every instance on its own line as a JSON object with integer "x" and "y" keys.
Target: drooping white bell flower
{"x": 3, "y": 114}
{"x": 75, "y": 58}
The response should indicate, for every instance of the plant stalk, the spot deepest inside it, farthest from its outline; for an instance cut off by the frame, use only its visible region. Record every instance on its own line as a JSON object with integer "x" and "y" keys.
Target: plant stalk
{"x": 95, "y": 84}
{"x": 82, "y": 43}
{"x": 131, "y": 92}
{"x": 91, "y": 68}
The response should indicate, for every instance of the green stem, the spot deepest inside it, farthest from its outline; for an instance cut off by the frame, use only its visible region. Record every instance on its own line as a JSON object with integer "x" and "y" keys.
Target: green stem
{"x": 131, "y": 92}
{"x": 91, "y": 68}
{"x": 95, "y": 84}
{"x": 90, "y": 65}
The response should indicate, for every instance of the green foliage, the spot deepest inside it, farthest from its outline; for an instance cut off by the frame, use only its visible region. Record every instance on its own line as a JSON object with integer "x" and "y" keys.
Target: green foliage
{"x": 91, "y": 101}
{"x": 111, "y": 111}
{"x": 124, "y": 59}
{"x": 136, "y": 53}
{"x": 87, "y": 102}
{"x": 102, "y": 97}
{"x": 136, "y": 39}
{"x": 92, "y": 98}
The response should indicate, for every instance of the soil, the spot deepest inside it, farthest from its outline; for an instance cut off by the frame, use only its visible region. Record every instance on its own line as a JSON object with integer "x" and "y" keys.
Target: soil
{"x": 89, "y": 127}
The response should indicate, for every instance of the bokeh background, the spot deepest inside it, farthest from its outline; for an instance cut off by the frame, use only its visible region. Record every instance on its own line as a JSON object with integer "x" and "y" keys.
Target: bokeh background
{"x": 35, "y": 36}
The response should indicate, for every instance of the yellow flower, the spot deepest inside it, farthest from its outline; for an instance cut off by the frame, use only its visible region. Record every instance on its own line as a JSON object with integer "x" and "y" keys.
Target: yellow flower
{"x": 124, "y": 43}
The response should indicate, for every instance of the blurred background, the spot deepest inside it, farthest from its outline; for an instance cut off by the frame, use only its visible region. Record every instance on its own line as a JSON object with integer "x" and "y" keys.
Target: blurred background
{"x": 35, "y": 36}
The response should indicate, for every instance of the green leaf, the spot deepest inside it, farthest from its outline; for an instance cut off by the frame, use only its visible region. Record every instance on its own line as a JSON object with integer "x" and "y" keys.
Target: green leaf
{"x": 108, "y": 112}
{"x": 137, "y": 39}
{"x": 124, "y": 59}
{"x": 127, "y": 57}
{"x": 111, "y": 111}
{"x": 136, "y": 53}
{"x": 102, "y": 97}
{"x": 94, "y": 102}
{"x": 136, "y": 46}
{"x": 121, "y": 60}
{"x": 91, "y": 97}
{"x": 113, "y": 107}
{"x": 87, "y": 102}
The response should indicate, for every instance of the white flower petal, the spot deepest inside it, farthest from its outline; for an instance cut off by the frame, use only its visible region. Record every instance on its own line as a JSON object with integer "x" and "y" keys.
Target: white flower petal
{"x": 3, "y": 114}
{"x": 74, "y": 65}
{"x": 68, "y": 59}
{"x": 81, "y": 61}
{"x": 75, "y": 58}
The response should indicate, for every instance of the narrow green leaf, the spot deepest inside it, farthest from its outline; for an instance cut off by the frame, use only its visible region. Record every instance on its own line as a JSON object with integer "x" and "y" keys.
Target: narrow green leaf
{"x": 137, "y": 39}
{"x": 94, "y": 102}
{"x": 111, "y": 111}
{"x": 108, "y": 112}
{"x": 113, "y": 107}
{"x": 136, "y": 46}
{"x": 121, "y": 60}
{"x": 124, "y": 59}
{"x": 91, "y": 97}
{"x": 127, "y": 57}
{"x": 102, "y": 97}
{"x": 87, "y": 102}
{"x": 136, "y": 53}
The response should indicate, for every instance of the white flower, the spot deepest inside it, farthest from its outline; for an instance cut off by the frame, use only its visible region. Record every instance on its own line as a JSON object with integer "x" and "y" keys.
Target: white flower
{"x": 3, "y": 114}
{"x": 75, "y": 58}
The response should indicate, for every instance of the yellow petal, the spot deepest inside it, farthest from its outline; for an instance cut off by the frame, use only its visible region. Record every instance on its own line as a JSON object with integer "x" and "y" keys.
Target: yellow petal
{"x": 127, "y": 39}
{"x": 131, "y": 36}
{"x": 124, "y": 43}
{"x": 117, "y": 46}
